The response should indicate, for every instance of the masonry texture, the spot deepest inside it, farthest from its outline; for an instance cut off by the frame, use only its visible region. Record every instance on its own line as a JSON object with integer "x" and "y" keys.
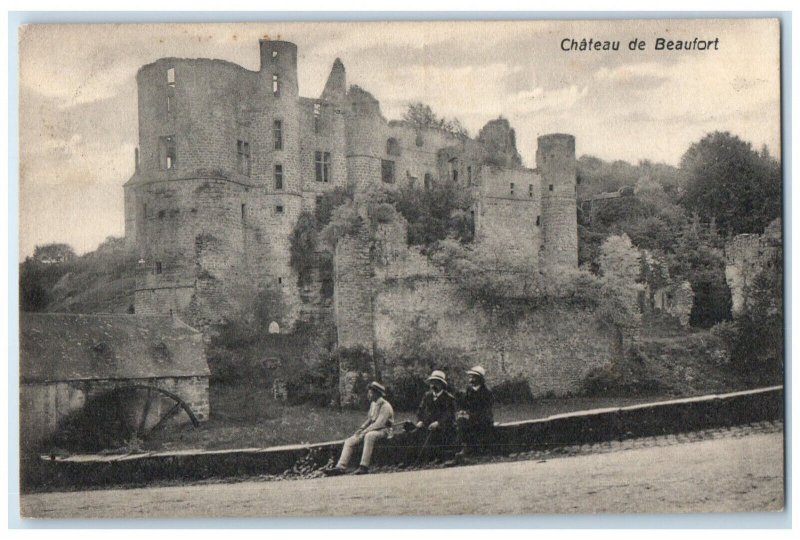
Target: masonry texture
{"x": 228, "y": 158}
{"x": 746, "y": 255}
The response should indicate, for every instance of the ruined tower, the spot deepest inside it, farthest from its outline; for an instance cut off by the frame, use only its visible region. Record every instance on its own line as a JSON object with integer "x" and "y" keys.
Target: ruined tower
{"x": 556, "y": 164}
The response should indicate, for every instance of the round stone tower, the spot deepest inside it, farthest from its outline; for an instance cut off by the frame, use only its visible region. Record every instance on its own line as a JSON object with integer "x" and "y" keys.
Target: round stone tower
{"x": 555, "y": 161}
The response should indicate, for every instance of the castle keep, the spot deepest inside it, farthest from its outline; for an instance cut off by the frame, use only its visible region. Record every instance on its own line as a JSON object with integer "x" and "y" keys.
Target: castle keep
{"x": 228, "y": 159}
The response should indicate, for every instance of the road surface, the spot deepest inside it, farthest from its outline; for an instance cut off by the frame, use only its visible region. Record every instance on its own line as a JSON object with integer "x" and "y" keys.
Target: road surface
{"x": 736, "y": 472}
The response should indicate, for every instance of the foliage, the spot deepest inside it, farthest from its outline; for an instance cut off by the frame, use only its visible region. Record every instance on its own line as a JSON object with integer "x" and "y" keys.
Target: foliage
{"x": 757, "y": 344}
{"x": 699, "y": 258}
{"x": 730, "y": 183}
{"x": 421, "y": 115}
{"x": 435, "y": 214}
{"x": 307, "y": 250}
{"x": 99, "y": 281}
{"x": 515, "y": 390}
{"x": 53, "y": 253}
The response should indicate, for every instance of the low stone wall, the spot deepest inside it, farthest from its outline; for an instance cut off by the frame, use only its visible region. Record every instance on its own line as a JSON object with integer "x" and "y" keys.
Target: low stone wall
{"x": 676, "y": 416}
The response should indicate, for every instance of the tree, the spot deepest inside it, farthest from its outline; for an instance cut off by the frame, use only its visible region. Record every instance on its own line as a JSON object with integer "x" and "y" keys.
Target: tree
{"x": 421, "y": 115}
{"x": 729, "y": 182}
{"x": 53, "y": 253}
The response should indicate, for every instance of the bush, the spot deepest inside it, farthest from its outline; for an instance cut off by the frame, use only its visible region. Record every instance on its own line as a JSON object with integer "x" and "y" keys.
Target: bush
{"x": 516, "y": 390}
{"x": 318, "y": 385}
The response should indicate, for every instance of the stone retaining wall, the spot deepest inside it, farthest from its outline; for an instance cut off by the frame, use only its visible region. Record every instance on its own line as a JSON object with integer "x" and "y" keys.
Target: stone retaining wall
{"x": 583, "y": 427}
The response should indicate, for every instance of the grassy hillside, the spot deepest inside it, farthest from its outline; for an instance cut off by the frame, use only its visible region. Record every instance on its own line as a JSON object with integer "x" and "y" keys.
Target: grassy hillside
{"x": 98, "y": 282}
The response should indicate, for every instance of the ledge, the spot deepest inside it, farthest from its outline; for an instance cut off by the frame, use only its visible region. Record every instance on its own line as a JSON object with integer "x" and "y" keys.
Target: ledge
{"x": 582, "y": 427}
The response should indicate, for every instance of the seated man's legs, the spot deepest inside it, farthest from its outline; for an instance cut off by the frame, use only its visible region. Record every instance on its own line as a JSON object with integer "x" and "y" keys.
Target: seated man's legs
{"x": 347, "y": 451}
{"x": 369, "y": 444}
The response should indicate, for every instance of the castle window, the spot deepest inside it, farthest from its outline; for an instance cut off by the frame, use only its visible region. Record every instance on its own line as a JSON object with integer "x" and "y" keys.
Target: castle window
{"x": 387, "y": 171}
{"x": 278, "y": 176}
{"x": 469, "y": 175}
{"x": 530, "y": 191}
{"x": 538, "y": 221}
{"x": 276, "y": 86}
{"x": 455, "y": 175}
{"x": 167, "y": 154}
{"x": 317, "y": 116}
{"x": 243, "y": 156}
{"x": 244, "y": 211}
{"x": 279, "y": 209}
{"x": 280, "y": 280}
{"x": 419, "y": 140}
{"x": 428, "y": 180}
{"x": 550, "y": 187}
{"x": 157, "y": 268}
{"x": 322, "y": 166}
{"x": 393, "y": 147}
{"x": 277, "y": 134}
{"x": 170, "y": 90}
{"x": 274, "y": 54}
{"x": 511, "y": 188}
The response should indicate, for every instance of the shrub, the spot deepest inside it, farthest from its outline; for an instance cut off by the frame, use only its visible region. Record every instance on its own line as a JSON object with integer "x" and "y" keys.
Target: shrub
{"x": 516, "y": 390}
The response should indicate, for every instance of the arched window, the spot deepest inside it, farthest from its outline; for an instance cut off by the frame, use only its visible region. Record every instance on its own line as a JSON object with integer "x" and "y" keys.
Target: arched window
{"x": 393, "y": 147}
{"x": 274, "y": 328}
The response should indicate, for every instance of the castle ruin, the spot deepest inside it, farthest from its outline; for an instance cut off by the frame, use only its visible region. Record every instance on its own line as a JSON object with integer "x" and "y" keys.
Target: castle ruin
{"x": 228, "y": 159}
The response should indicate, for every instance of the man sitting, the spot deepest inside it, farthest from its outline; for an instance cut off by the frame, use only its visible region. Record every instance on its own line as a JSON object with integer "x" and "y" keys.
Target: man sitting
{"x": 377, "y": 426}
{"x": 474, "y": 419}
{"x": 435, "y": 420}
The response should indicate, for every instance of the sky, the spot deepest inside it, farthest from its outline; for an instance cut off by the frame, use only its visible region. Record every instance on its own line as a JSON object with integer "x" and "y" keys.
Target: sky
{"x": 78, "y": 98}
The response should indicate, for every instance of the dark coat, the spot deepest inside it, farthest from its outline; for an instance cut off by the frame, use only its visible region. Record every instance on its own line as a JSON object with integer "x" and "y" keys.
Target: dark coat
{"x": 441, "y": 409}
{"x": 478, "y": 404}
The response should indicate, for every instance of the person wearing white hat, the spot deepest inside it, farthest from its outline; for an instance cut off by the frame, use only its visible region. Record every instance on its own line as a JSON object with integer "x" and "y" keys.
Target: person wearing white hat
{"x": 474, "y": 419}
{"x": 377, "y": 426}
{"x": 435, "y": 418}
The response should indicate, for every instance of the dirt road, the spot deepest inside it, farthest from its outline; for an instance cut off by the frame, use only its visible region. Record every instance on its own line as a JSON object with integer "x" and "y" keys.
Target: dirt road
{"x": 733, "y": 473}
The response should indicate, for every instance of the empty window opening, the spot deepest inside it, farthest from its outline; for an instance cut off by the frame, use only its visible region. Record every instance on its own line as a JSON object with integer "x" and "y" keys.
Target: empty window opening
{"x": 317, "y": 116}
{"x": 538, "y": 221}
{"x": 274, "y": 328}
{"x": 455, "y": 175}
{"x": 550, "y": 187}
{"x": 279, "y": 209}
{"x": 428, "y": 181}
{"x": 274, "y": 54}
{"x": 276, "y": 86}
{"x": 469, "y": 175}
{"x": 171, "y": 77}
{"x": 170, "y": 99}
{"x": 511, "y": 187}
{"x": 530, "y": 191}
{"x": 387, "y": 171}
{"x": 322, "y": 166}
{"x": 277, "y": 134}
{"x": 280, "y": 280}
{"x": 158, "y": 267}
{"x": 243, "y": 157}
{"x": 392, "y": 147}
{"x": 167, "y": 152}
{"x": 278, "y": 176}
{"x": 244, "y": 211}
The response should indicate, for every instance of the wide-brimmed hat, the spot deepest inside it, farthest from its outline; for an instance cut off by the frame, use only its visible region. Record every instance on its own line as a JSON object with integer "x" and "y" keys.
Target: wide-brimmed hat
{"x": 438, "y": 376}
{"x": 477, "y": 370}
{"x": 378, "y": 387}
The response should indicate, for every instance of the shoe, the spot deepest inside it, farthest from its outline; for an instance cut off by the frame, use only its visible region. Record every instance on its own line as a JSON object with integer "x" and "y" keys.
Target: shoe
{"x": 362, "y": 470}
{"x": 336, "y": 471}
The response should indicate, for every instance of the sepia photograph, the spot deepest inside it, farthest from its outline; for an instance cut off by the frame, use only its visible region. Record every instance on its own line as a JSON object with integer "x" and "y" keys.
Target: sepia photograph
{"x": 428, "y": 268}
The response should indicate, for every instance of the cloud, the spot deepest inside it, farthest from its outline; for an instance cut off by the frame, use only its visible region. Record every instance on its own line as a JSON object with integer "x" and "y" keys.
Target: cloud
{"x": 539, "y": 99}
